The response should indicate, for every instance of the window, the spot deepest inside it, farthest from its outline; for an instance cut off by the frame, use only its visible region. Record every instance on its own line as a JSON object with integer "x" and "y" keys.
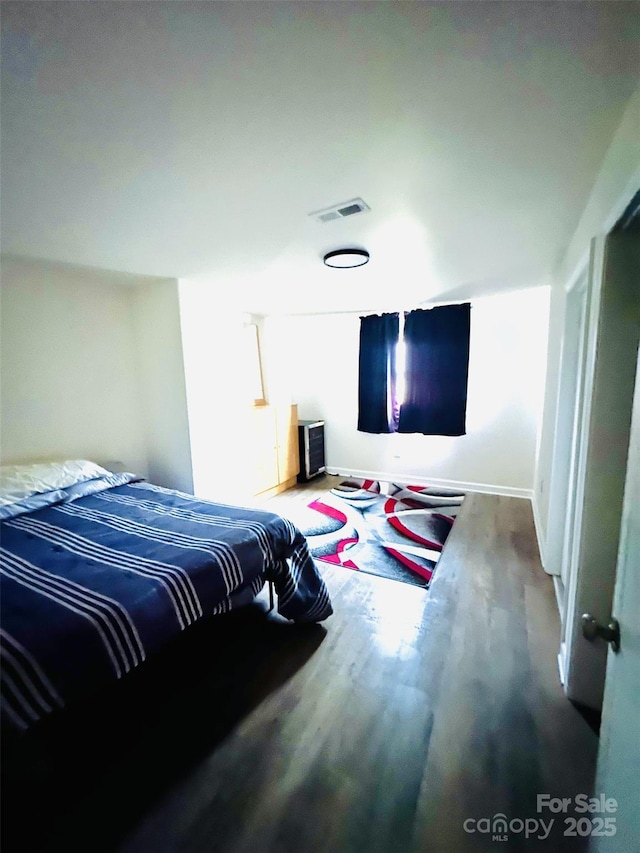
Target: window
{"x": 413, "y": 375}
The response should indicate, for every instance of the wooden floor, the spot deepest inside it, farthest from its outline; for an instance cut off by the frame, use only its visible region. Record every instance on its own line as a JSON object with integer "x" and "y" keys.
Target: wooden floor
{"x": 381, "y": 731}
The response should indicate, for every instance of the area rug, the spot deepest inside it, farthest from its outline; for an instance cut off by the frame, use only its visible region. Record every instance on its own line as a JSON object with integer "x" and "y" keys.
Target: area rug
{"x": 392, "y": 530}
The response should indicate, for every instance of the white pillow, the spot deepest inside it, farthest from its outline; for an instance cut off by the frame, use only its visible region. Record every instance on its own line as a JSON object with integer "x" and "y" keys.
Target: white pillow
{"x": 18, "y": 482}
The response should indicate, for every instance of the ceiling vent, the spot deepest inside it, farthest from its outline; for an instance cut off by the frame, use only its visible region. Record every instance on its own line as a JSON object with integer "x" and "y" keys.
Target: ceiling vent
{"x": 340, "y": 211}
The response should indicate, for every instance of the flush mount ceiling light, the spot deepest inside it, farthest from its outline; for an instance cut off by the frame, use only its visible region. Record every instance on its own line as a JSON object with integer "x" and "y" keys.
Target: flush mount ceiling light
{"x": 346, "y": 258}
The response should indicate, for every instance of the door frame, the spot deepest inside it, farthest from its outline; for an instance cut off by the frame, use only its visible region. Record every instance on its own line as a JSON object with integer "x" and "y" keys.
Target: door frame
{"x": 571, "y": 352}
{"x": 581, "y": 408}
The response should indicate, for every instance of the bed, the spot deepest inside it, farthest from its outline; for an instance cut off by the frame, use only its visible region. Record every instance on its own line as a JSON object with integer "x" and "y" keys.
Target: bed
{"x": 100, "y": 570}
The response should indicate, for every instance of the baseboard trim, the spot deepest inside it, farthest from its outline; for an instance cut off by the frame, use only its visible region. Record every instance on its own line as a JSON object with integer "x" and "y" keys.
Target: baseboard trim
{"x": 537, "y": 523}
{"x": 483, "y": 488}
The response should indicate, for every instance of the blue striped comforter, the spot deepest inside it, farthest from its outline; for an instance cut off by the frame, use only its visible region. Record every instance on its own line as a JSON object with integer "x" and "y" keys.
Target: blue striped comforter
{"x": 91, "y": 586}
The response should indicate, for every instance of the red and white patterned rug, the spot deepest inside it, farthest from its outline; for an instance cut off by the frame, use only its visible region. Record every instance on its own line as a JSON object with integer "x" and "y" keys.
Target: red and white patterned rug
{"x": 389, "y": 529}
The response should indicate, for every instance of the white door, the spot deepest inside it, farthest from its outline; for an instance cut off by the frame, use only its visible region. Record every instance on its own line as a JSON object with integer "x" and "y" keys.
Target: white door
{"x": 613, "y": 331}
{"x": 618, "y": 774}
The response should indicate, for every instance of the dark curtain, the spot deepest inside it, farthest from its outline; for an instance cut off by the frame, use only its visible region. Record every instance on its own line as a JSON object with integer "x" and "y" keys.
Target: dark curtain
{"x": 377, "y": 411}
{"x": 437, "y": 364}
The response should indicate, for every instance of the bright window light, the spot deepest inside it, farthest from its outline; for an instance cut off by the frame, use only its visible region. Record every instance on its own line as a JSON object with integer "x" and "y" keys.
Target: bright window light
{"x": 401, "y": 379}
{"x": 401, "y": 364}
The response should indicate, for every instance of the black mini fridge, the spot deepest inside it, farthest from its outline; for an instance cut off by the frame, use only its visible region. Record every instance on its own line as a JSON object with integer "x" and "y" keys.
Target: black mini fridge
{"x": 311, "y": 446}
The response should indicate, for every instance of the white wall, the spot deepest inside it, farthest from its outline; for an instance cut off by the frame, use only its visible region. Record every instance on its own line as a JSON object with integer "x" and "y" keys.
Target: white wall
{"x": 506, "y": 382}
{"x": 212, "y": 344}
{"x": 617, "y": 180}
{"x": 156, "y": 314}
{"x": 70, "y": 386}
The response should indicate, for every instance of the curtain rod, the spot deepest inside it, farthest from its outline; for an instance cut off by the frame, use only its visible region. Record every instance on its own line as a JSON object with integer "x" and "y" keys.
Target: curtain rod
{"x": 365, "y": 311}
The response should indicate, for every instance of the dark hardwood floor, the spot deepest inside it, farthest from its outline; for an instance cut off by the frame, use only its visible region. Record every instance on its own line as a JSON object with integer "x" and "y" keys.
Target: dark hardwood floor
{"x": 383, "y": 730}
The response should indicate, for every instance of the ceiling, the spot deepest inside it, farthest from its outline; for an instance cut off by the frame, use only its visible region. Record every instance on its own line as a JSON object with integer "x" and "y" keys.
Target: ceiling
{"x": 192, "y": 139}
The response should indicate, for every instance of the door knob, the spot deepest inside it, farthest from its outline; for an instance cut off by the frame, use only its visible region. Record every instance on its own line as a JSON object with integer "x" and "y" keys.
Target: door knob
{"x": 592, "y": 629}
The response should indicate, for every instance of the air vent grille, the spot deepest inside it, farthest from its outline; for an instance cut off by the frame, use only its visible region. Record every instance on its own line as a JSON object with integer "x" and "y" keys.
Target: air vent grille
{"x": 340, "y": 211}
{"x": 350, "y": 210}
